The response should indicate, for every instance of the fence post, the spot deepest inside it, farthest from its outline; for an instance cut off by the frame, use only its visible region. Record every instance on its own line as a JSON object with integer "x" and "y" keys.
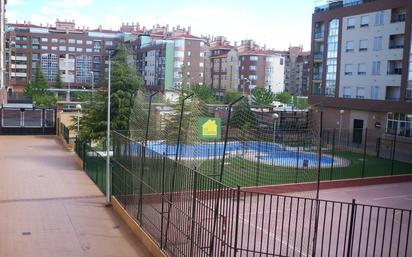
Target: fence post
{"x": 351, "y": 228}
{"x": 364, "y": 152}
{"x": 393, "y": 151}
{"x": 175, "y": 163}
{"x": 378, "y": 146}
{"x": 258, "y": 162}
{"x": 333, "y": 154}
{"x": 237, "y": 220}
{"x": 163, "y": 199}
{"x": 192, "y": 236}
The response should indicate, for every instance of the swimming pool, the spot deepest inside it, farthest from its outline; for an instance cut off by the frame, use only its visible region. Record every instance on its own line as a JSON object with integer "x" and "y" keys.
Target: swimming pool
{"x": 265, "y": 152}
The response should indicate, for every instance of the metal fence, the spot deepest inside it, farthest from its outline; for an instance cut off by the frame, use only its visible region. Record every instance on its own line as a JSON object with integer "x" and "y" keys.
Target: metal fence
{"x": 93, "y": 163}
{"x": 190, "y": 214}
{"x": 65, "y": 133}
{"x": 27, "y": 121}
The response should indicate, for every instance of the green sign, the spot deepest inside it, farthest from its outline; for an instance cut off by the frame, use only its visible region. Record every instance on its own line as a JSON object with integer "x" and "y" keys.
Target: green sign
{"x": 209, "y": 128}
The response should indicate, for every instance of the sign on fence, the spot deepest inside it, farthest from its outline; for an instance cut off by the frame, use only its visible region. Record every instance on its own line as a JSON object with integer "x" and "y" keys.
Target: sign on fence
{"x": 209, "y": 128}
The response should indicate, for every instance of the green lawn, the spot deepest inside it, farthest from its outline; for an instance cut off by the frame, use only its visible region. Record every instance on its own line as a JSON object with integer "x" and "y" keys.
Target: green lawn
{"x": 239, "y": 171}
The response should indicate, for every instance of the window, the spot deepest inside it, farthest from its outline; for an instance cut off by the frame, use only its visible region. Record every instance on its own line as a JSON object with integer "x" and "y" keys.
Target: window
{"x": 54, "y": 48}
{"x": 180, "y": 43}
{"x": 375, "y": 92}
{"x": 362, "y": 69}
{"x": 202, "y": 54}
{"x": 89, "y": 50}
{"x": 252, "y": 77}
{"x": 350, "y": 23}
{"x": 188, "y": 64}
{"x": 269, "y": 59}
{"x": 54, "y": 40}
{"x": 376, "y": 68}
{"x": 399, "y": 123}
{"x": 72, "y": 41}
{"x": 72, "y": 49}
{"x": 253, "y": 58}
{"x": 79, "y": 41}
{"x": 35, "y": 56}
{"x": 379, "y": 17}
{"x": 44, "y": 48}
{"x": 201, "y": 64}
{"x": 44, "y": 39}
{"x": 363, "y": 45}
{"x": 179, "y": 54}
{"x": 189, "y": 53}
{"x": 62, "y": 41}
{"x": 178, "y": 64}
{"x": 364, "y": 21}
{"x": 348, "y": 69}
{"x": 377, "y": 43}
{"x": 89, "y": 42}
{"x": 346, "y": 92}
{"x": 62, "y": 48}
{"x": 21, "y": 46}
{"x": 360, "y": 92}
{"x": 281, "y": 62}
{"x": 349, "y": 46}
{"x": 252, "y": 67}
{"x": 79, "y": 49}
{"x": 202, "y": 44}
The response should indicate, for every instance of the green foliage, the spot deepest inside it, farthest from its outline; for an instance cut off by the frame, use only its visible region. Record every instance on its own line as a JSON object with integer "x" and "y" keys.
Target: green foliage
{"x": 262, "y": 96}
{"x": 243, "y": 117}
{"x": 231, "y": 95}
{"x": 284, "y": 97}
{"x": 204, "y": 93}
{"x": 58, "y": 81}
{"x": 37, "y": 90}
{"x": 124, "y": 85}
{"x": 302, "y": 103}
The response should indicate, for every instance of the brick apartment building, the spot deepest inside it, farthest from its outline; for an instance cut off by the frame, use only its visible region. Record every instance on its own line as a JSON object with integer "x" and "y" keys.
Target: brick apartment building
{"x": 297, "y": 68}
{"x": 362, "y": 66}
{"x": 78, "y": 54}
{"x": 243, "y": 67}
{"x": 167, "y": 59}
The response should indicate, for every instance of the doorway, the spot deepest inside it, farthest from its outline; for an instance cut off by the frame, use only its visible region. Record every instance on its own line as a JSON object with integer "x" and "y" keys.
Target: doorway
{"x": 357, "y": 131}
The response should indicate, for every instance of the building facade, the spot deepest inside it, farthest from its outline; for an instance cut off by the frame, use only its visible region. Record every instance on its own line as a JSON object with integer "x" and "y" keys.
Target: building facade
{"x": 243, "y": 67}
{"x": 167, "y": 60}
{"x": 297, "y": 70}
{"x": 77, "y": 54}
{"x": 361, "y": 65}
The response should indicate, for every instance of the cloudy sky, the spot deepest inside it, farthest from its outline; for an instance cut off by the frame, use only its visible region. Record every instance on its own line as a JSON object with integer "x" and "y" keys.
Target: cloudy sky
{"x": 276, "y": 23}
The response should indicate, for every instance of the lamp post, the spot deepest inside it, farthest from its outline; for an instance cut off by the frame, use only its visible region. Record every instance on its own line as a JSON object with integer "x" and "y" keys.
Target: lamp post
{"x": 275, "y": 118}
{"x": 108, "y": 135}
{"x": 92, "y": 73}
{"x": 78, "y": 108}
{"x": 341, "y": 112}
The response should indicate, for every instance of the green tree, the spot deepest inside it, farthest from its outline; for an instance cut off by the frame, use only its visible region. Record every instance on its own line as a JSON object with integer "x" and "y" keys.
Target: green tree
{"x": 262, "y": 96}
{"x": 284, "y": 97}
{"x": 38, "y": 91}
{"x": 204, "y": 93}
{"x": 124, "y": 85}
{"x": 243, "y": 117}
{"x": 231, "y": 95}
{"x": 58, "y": 82}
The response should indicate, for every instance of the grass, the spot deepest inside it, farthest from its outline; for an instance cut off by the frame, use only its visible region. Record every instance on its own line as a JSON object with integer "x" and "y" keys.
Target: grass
{"x": 239, "y": 171}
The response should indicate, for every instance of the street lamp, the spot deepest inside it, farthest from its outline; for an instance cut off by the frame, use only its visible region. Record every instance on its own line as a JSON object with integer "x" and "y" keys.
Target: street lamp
{"x": 275, "y": 118}
{"x": 78, "y": 108}
{"x": 92, "y": 73}
{"x": 108, "y": 134}
{"x": 341, "y": 112}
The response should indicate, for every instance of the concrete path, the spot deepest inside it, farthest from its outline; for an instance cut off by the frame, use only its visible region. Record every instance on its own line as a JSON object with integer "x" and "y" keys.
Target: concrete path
{"x": 50, "y": 208}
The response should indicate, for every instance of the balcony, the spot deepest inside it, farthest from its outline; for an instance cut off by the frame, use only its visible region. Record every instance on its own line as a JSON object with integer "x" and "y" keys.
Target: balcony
{"x": 18, "y": 98}
{"x": 319, "y": 35}
{"x": 317, "y": 76}
{"x": 318, "y": 56}
{"x": 395, "y": 67}
{"x": 392, "y": 93}
{"x": 396, "y": 41}
{"x": 398, "y": 15}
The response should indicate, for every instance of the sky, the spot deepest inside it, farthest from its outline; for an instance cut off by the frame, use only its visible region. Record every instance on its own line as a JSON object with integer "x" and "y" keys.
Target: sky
{"x": 275, "y": 23}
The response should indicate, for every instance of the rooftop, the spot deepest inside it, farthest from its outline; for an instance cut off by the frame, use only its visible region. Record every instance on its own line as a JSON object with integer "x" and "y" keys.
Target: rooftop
{"x": 324, "y": 6}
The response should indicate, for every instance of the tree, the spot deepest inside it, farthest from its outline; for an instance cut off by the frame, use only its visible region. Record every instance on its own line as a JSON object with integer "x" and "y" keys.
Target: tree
{"x": 231, "y": 95}
{"x": 243, "y": 117}
{"x": 38, "y": 91}
{"x": 284, "y": 97}
{"x": 204, "y": 93}
{"x": 58, "y": 81}
{"x": 124, "y": 85}
{"x": 262, "y": 96}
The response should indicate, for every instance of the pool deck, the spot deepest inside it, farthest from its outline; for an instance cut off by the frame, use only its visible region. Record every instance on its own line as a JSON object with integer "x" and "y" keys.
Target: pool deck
{"x": 49, "y": 207}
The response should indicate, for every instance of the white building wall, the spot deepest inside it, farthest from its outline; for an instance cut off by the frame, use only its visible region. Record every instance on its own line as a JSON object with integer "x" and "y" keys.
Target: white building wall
{"x": 276, "y": 74}
{"x": 368, "y": 57}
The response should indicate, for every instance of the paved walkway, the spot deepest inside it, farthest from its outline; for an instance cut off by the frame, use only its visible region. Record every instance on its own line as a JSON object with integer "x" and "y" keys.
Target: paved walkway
{"x": 50, "y": 208}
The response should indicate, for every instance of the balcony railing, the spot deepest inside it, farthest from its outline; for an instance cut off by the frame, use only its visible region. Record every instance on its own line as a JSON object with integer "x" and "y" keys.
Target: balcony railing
{"x": 392, "y": 98}
{"x": 18, "y": 98}
{"x": 398, "y": 18}
{"x": 317, "y": 76}
{"x": 318, "y": 56}
{"x": 397, "y": 71}
{"x": 339, "y": 4}
{"x": 395, "y": 46}
{"x": 319, "y": 34}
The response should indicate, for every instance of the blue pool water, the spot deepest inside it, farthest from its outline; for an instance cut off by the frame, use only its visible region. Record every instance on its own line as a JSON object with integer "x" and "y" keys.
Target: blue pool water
{"x": 266, "y": 152}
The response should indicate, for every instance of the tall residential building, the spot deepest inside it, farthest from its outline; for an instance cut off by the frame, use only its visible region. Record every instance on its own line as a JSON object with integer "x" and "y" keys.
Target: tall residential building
{"x": 77, "y": 54}
{"x": 168, "y": 59}
{"x": 362, "y": 65}
{"x": 243, "y": 67}
{"x": 296, "y": 70}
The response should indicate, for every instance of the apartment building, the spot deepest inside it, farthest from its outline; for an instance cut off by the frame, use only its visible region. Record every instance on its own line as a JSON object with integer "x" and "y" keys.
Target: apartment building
{"x": 362, "y": 65}
{"x": 243, "y": 67}
{"x": 297, "y": 67}
{"x": 77, "y": 54}
{"x": 166, "y": 60}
